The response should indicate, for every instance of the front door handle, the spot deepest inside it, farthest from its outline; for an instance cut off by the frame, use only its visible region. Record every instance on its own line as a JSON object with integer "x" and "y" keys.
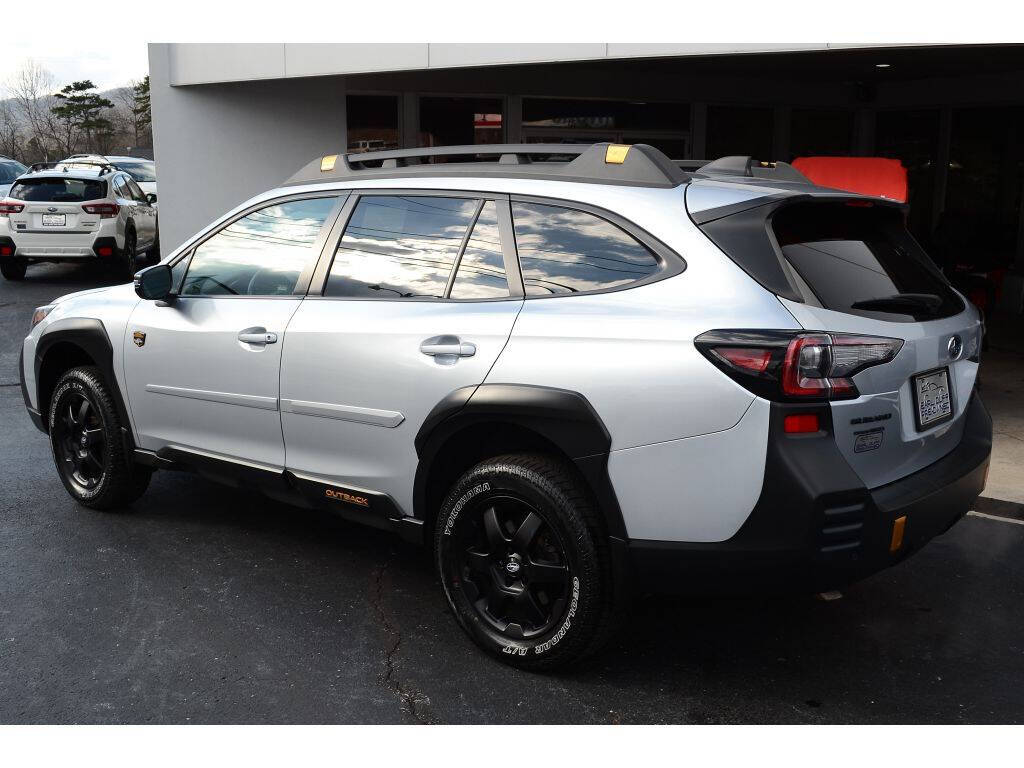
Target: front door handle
{"x": 257, "y": 336}
{"x": 447, "y": 348}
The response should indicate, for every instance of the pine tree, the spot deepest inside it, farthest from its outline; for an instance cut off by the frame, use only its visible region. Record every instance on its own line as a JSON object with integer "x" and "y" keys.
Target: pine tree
{"x": 79, "y": 110}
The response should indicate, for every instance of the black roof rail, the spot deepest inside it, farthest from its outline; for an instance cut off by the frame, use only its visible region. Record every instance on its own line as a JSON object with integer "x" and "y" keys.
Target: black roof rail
{"x": 748, "y": 167}
{"x": 71, "y": 162}
{"x": 634, "y": 165}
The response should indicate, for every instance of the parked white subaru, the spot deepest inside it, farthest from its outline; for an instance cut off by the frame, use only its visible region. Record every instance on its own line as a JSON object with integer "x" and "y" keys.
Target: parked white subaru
{"x": 570, "y": 379}
{"x": 73, "y": 211}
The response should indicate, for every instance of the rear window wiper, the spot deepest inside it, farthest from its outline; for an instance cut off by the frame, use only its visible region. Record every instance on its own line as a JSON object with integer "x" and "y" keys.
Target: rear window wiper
{"x": 928, "y": 303}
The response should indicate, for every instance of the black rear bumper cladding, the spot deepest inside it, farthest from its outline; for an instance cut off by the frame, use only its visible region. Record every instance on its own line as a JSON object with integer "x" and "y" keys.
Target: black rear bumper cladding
{"x": 816, "y": 526}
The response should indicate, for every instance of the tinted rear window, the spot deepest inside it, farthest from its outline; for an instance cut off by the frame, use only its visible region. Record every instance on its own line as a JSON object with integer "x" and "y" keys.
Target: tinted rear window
{"x": 59, "y": 190}
{"x": 861, "y": 260}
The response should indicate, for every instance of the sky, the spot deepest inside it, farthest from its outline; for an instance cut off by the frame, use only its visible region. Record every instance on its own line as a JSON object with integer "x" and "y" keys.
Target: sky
{"x": 107, "y": 65}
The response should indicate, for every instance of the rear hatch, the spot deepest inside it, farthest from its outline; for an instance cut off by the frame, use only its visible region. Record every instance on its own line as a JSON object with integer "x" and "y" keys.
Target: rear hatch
{"x": 848, "y": 267}
{"x": 54, "y": 204}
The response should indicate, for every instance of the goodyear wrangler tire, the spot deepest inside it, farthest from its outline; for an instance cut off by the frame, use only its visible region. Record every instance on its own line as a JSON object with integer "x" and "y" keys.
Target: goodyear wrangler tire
{"x": 524, "y": 562}
{"x": 88, "y": 449}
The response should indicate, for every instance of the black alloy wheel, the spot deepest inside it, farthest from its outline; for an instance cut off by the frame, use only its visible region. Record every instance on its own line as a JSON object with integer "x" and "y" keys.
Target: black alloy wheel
{"x": 514, "y": 568}
{"x": 78, "y": 441}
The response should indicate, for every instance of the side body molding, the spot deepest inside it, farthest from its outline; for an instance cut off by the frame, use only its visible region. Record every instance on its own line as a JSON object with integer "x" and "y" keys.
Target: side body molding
{"x": 89, "y": 335}
{"x": 563, "y": 418}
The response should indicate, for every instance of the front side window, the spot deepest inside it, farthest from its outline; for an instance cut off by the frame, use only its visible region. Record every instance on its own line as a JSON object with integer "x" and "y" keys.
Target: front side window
{"x": 134, "y": 190}
{"x": 400, "y": 247}
{"x": 563, "y": 250}
{"x": 58, "y": 190}
{"x": 261, "y": 254}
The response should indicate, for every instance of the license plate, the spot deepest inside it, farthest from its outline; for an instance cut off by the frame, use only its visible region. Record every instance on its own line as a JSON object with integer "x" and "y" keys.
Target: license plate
{"x": 931, "y": 394}
{"x": 54, "y": 219}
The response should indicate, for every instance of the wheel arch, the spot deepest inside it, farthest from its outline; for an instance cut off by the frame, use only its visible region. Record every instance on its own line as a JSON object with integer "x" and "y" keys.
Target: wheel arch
{"x": 67, "y": 344}
{"x": 475, "y": 423}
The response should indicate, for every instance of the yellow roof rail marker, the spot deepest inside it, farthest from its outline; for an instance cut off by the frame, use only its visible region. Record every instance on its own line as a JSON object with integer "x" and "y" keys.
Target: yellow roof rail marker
{"x": 616, "y": 153}
{"x": 327, "y": 164}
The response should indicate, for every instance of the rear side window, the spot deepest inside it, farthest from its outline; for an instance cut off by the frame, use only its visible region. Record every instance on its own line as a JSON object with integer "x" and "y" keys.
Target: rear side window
{"x": 58, "y": 190}
{"x": 481, "y": 273}
{"x": 564, "y": 250}
{"x": 861, "y": 260}
{"x": 400, "y": 247}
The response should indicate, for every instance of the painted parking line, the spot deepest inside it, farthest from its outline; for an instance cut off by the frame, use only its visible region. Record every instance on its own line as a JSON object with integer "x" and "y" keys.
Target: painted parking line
{"x": 996, "y": 517}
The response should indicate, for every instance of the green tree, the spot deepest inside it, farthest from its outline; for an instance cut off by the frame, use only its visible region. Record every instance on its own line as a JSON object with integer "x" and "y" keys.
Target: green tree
{"x": 79, "y": 109}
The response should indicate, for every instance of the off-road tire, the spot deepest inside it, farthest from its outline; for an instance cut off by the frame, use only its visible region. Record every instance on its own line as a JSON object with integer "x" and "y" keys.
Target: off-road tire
{"x": 120, "y": 481}
{"x": 594, "y": 599}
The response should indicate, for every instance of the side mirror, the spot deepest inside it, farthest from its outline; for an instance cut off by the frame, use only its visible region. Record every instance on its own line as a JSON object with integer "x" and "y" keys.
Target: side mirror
{"x": 154, "y": 283}
{"x": 151, "y": 198}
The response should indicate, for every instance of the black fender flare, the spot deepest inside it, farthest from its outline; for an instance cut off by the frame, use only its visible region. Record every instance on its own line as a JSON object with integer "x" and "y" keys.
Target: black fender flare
{"x": 89, "y": 335}
{"x": 562, "y": 417}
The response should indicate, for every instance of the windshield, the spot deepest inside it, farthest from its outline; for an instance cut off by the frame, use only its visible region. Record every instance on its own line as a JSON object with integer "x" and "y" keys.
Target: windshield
{"x": 58, "y": 190}
{"x": 140, "y": 170}
{"x": 10, "y": 170}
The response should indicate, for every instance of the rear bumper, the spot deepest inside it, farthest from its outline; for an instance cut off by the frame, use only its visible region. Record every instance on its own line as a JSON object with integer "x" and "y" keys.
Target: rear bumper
{"x": 816, "y": 526}
{"x": 60, "y": 246}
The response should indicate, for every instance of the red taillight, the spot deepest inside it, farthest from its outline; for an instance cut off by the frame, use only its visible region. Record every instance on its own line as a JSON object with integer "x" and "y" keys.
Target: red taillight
{"x": 783, "y": 365}
{"x": 6, "y": 250}
{"x": 805, "y": 371}
{"x": 753, "y": 360}
{"x": 104, "y": 250}
{"x": 801, "y": 423}
{"x": 7, "y": 207}
{"x": 104, "y": 210}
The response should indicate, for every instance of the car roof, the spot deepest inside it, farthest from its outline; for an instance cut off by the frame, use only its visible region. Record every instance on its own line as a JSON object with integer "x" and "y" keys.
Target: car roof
{"x": 82, "y": 173}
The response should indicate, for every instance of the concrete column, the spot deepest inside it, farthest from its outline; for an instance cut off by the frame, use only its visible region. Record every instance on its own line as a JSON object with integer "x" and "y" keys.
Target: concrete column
{"x": 864, "y": 132}
{"x": 699, "y": 131}
{"x": 409, "y": 124}
{"x": 512, "y": 120}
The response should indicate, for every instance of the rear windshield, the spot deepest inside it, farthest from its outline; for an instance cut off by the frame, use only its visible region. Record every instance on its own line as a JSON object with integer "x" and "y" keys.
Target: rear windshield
{"x": 59, "y": 190}
{"x": 860, "y": 259}
{"x": 10, "y": 170}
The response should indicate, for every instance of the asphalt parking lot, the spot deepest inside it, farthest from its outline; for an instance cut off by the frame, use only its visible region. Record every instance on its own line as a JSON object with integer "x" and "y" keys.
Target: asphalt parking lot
{"x": 205, "y": 605}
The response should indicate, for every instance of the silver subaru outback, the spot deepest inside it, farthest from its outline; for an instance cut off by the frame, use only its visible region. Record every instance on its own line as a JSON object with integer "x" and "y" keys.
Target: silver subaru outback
{"x": 574, "y": 372}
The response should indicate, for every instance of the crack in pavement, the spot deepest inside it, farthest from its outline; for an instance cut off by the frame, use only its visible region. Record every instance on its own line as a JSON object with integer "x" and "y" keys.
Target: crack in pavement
{"x": 414, "y": 702}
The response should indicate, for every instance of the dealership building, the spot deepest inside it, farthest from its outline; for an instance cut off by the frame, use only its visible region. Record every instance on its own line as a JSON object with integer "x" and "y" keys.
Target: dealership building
{"x": 233, "y": 120}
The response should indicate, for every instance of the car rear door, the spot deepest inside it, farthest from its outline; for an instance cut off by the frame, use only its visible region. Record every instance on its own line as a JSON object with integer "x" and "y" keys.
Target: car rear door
{"x": 863, "y": 274}
{"x": 416, "y": 300}
{"x": 203, "y": 369}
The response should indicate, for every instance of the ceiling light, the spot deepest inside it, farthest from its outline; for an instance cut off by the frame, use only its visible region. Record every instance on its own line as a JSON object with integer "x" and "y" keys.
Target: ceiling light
{"x": 883, "y": 66}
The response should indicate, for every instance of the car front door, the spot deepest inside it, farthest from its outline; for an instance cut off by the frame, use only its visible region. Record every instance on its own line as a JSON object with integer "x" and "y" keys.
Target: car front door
{"x": 417, "y": 300}
{"x": 203, "y": 369}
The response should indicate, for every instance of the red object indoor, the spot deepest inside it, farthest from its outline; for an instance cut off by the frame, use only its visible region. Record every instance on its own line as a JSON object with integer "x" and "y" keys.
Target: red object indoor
{"x": 875, "y": 176}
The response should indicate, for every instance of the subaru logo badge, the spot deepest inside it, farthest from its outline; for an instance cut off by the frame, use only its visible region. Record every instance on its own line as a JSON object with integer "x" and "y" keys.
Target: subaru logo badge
{"x": 512, "y": 567}
{"x": 954, "y": 347}
{"x": 52, "y": 209}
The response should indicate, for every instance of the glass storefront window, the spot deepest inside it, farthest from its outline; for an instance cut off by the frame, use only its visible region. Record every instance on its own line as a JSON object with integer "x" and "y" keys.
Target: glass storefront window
{"x": 457, "y": 120}
{"x": 585, "y": 121}
{"x": 912, "y": 136}
{"x": 740, "y": 131}
{"x": 372, "y": 122}
{"x": 820, "y": 133}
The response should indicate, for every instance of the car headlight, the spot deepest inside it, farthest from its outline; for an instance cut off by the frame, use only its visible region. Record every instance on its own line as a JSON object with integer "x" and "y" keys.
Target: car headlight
{"x": 40, "y": 314}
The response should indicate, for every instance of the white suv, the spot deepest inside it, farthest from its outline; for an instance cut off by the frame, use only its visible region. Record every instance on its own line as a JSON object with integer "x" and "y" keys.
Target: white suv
{"x": 72, "y": 211}
{"x": 571, "y": 379}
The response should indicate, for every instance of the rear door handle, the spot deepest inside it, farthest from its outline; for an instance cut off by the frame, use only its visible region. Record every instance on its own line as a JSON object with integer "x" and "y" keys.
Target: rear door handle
{"x": 257, "y": 336}
{"x": 447, "y": 347}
